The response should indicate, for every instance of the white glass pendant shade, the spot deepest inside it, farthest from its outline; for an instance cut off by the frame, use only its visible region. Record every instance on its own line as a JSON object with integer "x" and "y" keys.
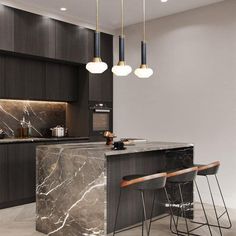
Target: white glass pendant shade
{"x": 143, "y": 72}
{"x": 121, "y": 69}
{"x": 96, "y": 66}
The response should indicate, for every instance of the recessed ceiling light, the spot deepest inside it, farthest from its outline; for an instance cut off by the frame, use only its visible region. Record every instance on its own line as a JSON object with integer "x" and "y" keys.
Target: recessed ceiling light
{"x": 63, "y": 9}
{"x": 164, "y": 0}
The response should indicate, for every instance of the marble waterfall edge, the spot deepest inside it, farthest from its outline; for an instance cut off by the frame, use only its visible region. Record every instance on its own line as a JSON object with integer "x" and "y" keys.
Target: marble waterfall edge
{"x": 71, "y": 194}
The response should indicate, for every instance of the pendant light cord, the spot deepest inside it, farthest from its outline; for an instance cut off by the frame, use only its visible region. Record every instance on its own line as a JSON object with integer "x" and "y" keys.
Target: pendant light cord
{"x": 144, "y": 20}
{"x": 122, "y": 18}
{"x": 97, "y": 16}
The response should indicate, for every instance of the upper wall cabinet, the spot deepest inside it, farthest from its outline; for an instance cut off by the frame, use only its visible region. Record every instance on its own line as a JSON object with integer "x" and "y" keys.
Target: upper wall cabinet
{"x": 34, "y": 34}
{"x": 6, "y": 28}
{"x": 61, "y": 82}
{"x": 24, "y": 78}
{"x": 71, "y": 43}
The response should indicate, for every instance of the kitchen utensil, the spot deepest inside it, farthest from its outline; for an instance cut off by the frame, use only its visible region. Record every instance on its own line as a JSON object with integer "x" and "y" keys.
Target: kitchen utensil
{"x": 58, "y": 131}
{"x": 2, "y": 134}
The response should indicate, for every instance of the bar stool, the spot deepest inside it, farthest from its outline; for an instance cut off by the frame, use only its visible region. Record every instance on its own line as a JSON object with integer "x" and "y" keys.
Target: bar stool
{"x": 180, "y": 178}
{"x": 141, "y": 184}
{"x": 206, "y": 171}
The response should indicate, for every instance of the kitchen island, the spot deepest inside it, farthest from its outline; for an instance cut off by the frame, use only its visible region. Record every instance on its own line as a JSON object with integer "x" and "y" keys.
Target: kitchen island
{"x": 78, "y": 184}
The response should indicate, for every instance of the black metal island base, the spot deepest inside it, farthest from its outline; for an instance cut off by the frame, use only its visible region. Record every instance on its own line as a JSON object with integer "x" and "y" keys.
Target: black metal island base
{"x": 78, "y": 184}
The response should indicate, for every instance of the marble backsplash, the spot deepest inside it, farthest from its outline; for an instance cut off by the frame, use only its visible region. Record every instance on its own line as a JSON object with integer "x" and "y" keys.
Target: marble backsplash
{"x": 42, "y": 116}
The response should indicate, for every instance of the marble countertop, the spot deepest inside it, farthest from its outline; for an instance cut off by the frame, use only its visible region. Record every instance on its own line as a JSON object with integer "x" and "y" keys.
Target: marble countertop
{"x": 137, "y": 147}
{"x": 37, "y": 140}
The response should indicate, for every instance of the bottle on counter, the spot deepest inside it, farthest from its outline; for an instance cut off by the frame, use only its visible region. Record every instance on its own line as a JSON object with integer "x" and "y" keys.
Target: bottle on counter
{"x": 24, "y": 129}
{"x": 30, "y": 129}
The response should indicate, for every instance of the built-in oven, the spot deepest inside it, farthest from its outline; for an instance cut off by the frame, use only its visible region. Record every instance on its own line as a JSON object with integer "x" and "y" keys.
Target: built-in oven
{"x": 101, "y": 119}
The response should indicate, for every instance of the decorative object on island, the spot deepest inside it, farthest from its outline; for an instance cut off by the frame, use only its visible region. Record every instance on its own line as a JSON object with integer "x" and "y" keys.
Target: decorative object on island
{"x": 97, "y": 66}
{"x": 143, "y": 71}
{"x": 109, "y": 137}
{"x": 118, "y": 146}
{"x": 121, "y": 69}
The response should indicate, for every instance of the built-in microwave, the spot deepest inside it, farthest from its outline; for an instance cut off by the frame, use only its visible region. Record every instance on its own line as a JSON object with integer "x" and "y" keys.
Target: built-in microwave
{"x": 101, "y": 119}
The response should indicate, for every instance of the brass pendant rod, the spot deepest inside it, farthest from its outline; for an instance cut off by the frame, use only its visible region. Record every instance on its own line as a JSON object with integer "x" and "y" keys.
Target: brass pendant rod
{"x": 122, "y": 18}
{"x": 144, "y": 20}
{"x": 97, "y": 12}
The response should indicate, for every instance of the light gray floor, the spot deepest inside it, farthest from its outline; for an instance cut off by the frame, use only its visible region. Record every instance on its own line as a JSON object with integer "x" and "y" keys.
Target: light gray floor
{"x": 20, "y": 221}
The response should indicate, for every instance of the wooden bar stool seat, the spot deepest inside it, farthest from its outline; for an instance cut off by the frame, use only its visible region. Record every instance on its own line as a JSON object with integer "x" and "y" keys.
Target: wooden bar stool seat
{"x": 210, "y": 169}
{"x": 182, "y": 176}
{"x": 140, "y": 182}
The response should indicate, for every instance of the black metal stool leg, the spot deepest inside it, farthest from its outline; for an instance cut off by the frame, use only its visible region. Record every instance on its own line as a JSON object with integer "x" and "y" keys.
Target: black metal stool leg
{"x": 144, "y": 213}
{"x": 183, "y": 208}
{"x": 213, "y": 202}
{"x": 171, "y": 212}
{"x": 153, "y": 204}
{"x": 117, "y": 211}
{"x": 203, "y": 208}
{"x": 226, "y": 210}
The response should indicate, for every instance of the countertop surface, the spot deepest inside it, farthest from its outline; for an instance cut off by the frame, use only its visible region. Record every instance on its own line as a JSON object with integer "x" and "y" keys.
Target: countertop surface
{"x": 38, "y": 140}
{"x": 137, "y": 147}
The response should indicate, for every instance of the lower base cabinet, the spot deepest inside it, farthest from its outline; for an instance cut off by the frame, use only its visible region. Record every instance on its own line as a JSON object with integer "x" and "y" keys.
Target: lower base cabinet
{"x": 18, "y": 173}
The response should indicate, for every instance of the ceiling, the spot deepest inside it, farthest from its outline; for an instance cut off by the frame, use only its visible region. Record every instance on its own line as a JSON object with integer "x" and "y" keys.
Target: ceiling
{"x": 83, "y": 11}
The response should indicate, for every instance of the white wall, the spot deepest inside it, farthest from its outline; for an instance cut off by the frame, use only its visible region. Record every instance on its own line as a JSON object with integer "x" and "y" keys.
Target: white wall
{"x": 192, "y": 95}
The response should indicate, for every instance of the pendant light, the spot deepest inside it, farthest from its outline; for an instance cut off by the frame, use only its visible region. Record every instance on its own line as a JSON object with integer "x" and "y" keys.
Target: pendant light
{"x": 143, "y": 71}
{"x": 96, "y": 66}
{"x": 121, "y": 69}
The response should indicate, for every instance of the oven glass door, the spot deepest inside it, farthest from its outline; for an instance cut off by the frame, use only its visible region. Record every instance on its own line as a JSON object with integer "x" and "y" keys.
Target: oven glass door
{"x": 101, "y": 121}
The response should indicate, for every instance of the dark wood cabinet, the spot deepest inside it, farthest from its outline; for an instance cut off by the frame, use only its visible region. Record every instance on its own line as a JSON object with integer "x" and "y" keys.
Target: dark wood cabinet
{"x": 2, "y": 77}
{"x": 101, "y": 85}
{"x": 6, "y": 28}
{"x": 4, "y": 186}
{"x": 18, "y": 172}
{"x": 34, "y": 34}
{"x": 21, "y": 171}
{"x": 69, "y": 83}
{"x": 24, "y": 78}
{"x": 71, "y": 42}
{"x": 61, "y": 82}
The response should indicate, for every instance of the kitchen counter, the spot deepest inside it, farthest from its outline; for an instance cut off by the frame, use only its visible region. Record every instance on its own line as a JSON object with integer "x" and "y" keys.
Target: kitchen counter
{"x": 38, "y": 140}
{"x": 78, "y": 184}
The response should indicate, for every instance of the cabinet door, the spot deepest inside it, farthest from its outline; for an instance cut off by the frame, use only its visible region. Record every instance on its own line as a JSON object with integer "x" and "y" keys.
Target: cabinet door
{"x": 52, "y": 87}
{"x": 71, "y": 42}
{"x": 69, "y": 83}
{"x": 6, "y": 28}
{"x": 34, "y": 34}
{"x": 4, "y": 183}
{"x": 101, "y": 85}
{"x": 25, "y": 79}
{"x": 61, "y": 82}
{"x": 2, "y": 77}
{"x": 21, "y": 170}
